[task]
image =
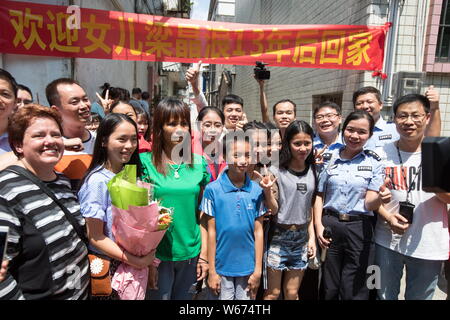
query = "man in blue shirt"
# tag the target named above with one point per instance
(327, 121)
(369, 99)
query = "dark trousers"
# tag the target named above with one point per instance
(309, 289)
(350, 253)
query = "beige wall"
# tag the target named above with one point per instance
(300, 84)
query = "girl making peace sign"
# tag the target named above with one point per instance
(292, 238)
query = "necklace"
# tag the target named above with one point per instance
(176, 175)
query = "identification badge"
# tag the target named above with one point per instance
(364, 168)
(302, 187)
(327, 156)
(385, 137)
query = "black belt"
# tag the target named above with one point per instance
(292, 227)
(345, 216)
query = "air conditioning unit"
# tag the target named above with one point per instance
(405, 82)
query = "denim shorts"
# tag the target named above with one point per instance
(288, 249)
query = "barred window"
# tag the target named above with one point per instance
(443, 42)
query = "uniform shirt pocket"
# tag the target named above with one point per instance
(362, 179)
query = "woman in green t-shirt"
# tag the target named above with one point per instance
(179, 178)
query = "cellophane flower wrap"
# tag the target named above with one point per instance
(139, 224)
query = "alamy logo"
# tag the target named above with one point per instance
(73, 22)
(374, 279)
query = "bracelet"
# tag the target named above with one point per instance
(201, 259)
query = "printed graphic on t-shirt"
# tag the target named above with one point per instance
(302, 187)
(397, 176)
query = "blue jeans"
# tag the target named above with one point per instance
(233, 288)
(421, 275)
(288, 249)
(176, 280)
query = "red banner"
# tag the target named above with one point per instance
(37, 29)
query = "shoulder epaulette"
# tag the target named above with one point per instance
(373, 154)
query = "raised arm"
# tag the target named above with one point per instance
(263, 101)
(433, 128)
(192, 76)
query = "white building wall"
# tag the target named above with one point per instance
(300, 84)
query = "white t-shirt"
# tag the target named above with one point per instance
(427, 237)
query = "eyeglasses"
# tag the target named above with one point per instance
(414, 117)
(328, 116)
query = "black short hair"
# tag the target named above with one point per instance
(208, 109)
(360, 114)
(412, 98)
(232, 98)
(25, 88)
(282, 101)
(5, 75)
(328, 104)
(145, 95)
(365, 90)
(51, 91)
(254, 125)
(136, 91)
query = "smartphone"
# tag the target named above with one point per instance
(407, 210)
(3, 241)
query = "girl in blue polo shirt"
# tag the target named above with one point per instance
(234, 206)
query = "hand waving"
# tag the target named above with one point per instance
(318, 155)
(267, 180)
(106, 103)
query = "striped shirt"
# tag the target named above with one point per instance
(47, 258)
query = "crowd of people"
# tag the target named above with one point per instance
(258, 207)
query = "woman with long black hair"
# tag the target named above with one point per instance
(116, 145)
(179, 177)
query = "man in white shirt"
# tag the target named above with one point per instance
(423, 243)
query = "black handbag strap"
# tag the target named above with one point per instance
(27, 174)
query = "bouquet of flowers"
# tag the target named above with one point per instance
(139, 224)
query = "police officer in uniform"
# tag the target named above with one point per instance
(327, 120)
(369, 99)
(348, 193)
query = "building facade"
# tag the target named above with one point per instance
(416, 56)
(37, 71)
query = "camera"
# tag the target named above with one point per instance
(407, 210)
(261, 73)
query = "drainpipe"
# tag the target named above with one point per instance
(395, 7)
(420, 32)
